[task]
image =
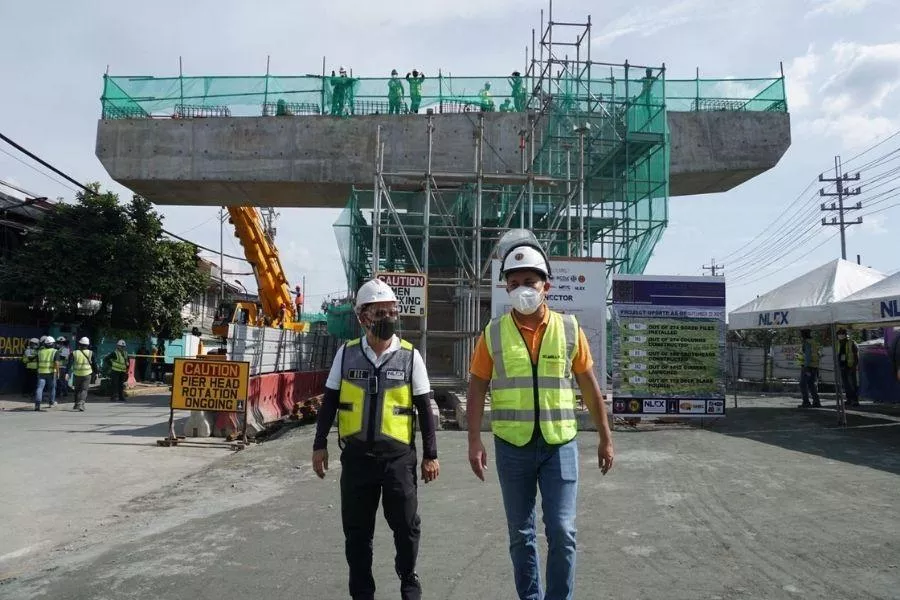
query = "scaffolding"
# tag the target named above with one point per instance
(593, 183)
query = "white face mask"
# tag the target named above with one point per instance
(526, 300)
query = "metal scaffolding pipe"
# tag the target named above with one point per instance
(426, 239)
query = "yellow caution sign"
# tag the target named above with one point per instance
(199, 384)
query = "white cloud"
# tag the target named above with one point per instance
(798, 76)
(837, 7)
(648, 21)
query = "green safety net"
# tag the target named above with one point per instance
(134, 97)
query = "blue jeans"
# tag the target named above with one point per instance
(521, 471)
(48, 381)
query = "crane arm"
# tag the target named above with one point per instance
(262, 255)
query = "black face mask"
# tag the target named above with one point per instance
(383, 329)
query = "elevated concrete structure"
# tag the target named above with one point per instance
(313, 161)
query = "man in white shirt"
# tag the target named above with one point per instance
(376, 386)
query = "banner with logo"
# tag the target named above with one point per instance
(578, 287)
(668, 346)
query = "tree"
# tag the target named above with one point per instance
(100, 250)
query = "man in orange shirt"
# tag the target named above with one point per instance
(533, 358)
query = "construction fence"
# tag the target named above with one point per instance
(138, 97)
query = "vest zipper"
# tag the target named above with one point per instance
(534, 379)
(373, 409)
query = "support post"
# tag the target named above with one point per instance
(426, 233)
(376, 204)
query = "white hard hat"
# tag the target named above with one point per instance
(84, 341)
(120, 343)
(60, 339)
(525, 257)
(48, 340)
(374, 291)
(34, 341)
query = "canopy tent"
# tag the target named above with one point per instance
(876, 304)
(804, 302)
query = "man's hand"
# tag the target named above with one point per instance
(320, 462)
(477, 458)
(606, 455)
(431, 468)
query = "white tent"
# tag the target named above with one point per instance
(804, 302)
(878, 303)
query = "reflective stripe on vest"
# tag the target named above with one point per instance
(81, 363)
(515, 380)
(30, 359)
(383, 395)
(46, 360)
(119, 362)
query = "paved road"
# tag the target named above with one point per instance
(772, 503)
(67, 475)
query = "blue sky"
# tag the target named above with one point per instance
(842, 60)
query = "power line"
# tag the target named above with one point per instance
(840, 178)
(88, 190)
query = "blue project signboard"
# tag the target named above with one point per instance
(668, 338)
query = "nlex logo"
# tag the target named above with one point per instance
(776, 318)
(890, 308)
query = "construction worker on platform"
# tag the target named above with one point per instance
(118, 371)
(415, 80)
(341, 92)
(506, 106)
(848, 361)
(808, 359)
(485, 98)
(395, 94)
(29, 361)
(62, 366)
(82, 365)
(518, 91)
(376, 386)
(46, 372)
(533, 358)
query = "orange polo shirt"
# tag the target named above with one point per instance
(483, 365)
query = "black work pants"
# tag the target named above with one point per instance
(851, 386)
(117, 380)
(809, 385)
(363, 480)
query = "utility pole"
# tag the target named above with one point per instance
(840, 193)
(222, 253)
(713, 267)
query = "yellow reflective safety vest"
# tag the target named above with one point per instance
(81, 363)
(848, 350)
(376, 403)
(119, 361)
(815, 352)
(46, 361)
(30, 359)
(520, 389)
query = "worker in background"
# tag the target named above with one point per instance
(485, 98)
(298, 304)
(62, 366)
(533, 358)
(415, 80)
(83, 366)
(376, 386)
(808, 358)
(341, 92)
(506, 106)
(395, 94)
(848, 361)
(195, 331)
(46, 372)
(29, 361)
(118, 365)
(518, 91)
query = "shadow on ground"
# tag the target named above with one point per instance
(868, 440)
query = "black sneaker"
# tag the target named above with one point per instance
(817, 405)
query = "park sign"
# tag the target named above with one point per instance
(668, 346)
(411, 290)
(214, 385)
